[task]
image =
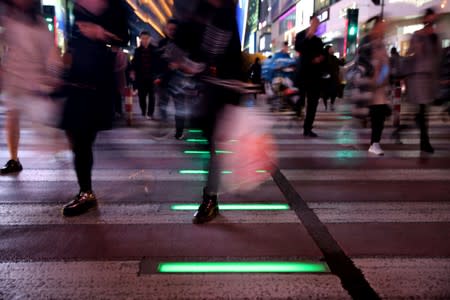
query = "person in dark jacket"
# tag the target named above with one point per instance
(89, 107)
(254, 73)
(311, 50)
(331, 79)
(143, 70)
(211, 38)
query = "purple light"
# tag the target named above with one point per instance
(321, 29)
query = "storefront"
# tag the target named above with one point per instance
(57, 16)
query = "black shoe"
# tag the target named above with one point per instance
(82, 203)
(207, 211)
(426, 147)
(179, 136)
(310, 134)
(12, 166)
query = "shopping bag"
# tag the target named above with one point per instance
(246, 148)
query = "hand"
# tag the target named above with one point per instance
(318, 59)
(96, 32)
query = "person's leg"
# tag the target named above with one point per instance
(378, 116)
(13, 137)
(163, 103)
(142, 94)
(312, 95)
(422, 122)
(151, 101)
(179, 116)
(82, 144)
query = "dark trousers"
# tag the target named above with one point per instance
(377, 118)
(82, 143)
(180, 113)
(145, 90)
(422, 123)
(312, 98)
(118, 106)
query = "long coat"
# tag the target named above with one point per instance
(91, 79)
(422, 67)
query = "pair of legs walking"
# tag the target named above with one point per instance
(146, 91)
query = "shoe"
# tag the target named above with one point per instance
(179, 136)
(82, 202)
(426, 147)
(208, 210)
(310, 134)
(376, 149)
(12, 166)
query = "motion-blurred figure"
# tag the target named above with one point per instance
(311, 51)
(31, 69)
(331, 80)
(165, 73)
(211, 41)
(422, 73)
(373, 56)
(143, 68)
(91, 86)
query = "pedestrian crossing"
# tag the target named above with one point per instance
(390, 215)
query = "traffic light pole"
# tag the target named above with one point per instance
(382, 9)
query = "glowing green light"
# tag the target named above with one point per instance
(49, 19)
(195, 131)
(250, 206)
(206, 152)
(352, 30)
(261, 171)
(201, 141)
(193, 172)
(242, 267)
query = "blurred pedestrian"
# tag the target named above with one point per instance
(120, 69)
(423, 73)
(30, 72)
(210, 38)
(254, 73)
(311, 50)
(331, 79)
(166, 71)
(143, 66)
(373, 56)
(91, 87)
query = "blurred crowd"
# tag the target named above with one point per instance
(198, 66)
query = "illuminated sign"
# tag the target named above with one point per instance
(324, 16)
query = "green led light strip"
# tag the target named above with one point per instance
(242, 267)
(206, 152)
(250, 206)
(206, 172)
(195, 131)
(197, 140)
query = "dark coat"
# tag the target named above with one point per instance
(145, 76)
(90, 79)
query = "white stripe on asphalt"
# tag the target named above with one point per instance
(301, 141)
(130, 154)
(350, 212)
(154, 175)
(407, 278)
(120, 280)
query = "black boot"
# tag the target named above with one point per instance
(425, 146)
(12, 166)
(208, 210)
(80, 204)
